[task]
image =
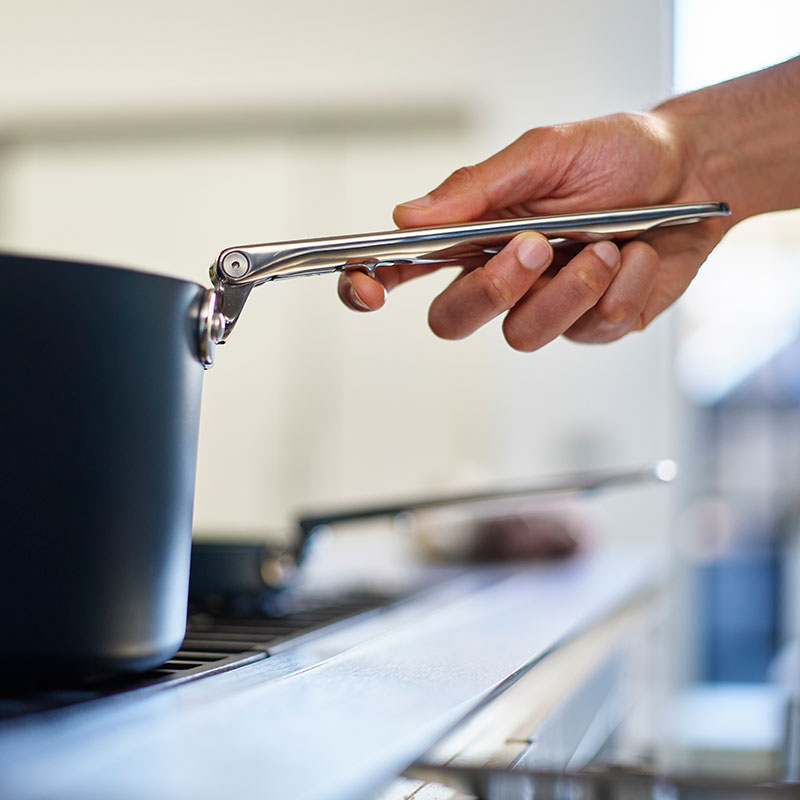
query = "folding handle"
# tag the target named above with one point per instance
(238, 269)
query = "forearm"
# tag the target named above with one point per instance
(742, 138)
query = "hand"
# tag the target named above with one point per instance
(597, 294)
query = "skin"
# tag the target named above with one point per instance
(737, 142)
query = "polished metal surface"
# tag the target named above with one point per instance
(210, 327)
(235, 264)
(238, 269)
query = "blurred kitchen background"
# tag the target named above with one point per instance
(154, 134)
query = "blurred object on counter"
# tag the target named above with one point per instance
(542, 519)
(544, 529)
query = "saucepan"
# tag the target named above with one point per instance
(100, 413)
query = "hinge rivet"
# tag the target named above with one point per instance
(235, 264)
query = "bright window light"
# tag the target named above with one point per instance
(720, 39)
(744, 305)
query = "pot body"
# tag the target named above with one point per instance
(99, 414)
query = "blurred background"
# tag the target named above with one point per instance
(154, 134)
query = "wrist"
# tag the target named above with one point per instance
(739, 139)
(710, 162)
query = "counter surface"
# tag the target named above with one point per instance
(335, 716)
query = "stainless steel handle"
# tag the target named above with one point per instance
(238, 269)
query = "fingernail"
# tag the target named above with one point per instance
(533, 252)
(608, 252)
(355, 299)
(421, 202)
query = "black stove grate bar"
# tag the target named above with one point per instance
(180, 669)
(214, 643)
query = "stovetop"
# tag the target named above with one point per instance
(217, 639)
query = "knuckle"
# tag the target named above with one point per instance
(590, 281)
(535, 138)
(643, 249)
(462, 177)
(532, 137)
(578, 336)
(617, 313)
(598, 336)
(520, 339)
(611, 334)
(499, 292)
(642, 322)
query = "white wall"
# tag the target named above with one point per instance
(156, 133)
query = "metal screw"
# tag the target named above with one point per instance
(216, 327)
(235, 265)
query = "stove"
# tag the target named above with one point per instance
(217, 639)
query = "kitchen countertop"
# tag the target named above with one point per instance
(336, 715)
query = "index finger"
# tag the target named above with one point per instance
(361, 292)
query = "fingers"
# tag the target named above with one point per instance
(655, 272)
(479, 296)
(549, 311)
(681, 251)
(474, 298)
(620, 308)
(598, 295)
(359, 291)
(650, 277)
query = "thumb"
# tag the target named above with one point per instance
(519, 172)
(463, 197)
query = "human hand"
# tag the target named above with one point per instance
(597, 293)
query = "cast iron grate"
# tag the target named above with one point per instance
(226, 631)
(216, 641)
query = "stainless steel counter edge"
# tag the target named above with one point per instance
(324, 720)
